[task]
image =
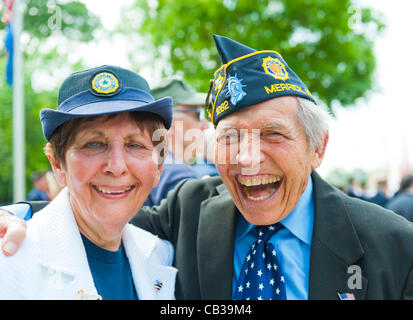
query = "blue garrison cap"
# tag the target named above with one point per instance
(247, 77)
(100, 91)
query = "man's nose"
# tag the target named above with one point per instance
(249, 152)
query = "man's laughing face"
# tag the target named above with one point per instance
(264, 159)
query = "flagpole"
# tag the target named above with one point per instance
(19, 185)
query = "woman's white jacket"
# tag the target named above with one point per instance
(52, 262)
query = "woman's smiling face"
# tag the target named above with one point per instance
(109, 170)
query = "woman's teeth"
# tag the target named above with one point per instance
(113, 191)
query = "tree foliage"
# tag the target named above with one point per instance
(329, 44)
(50, 29)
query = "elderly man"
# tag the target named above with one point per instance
(188, 133)
(272, 228)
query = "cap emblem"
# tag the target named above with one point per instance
(105, 83)
(235, 90)
(275, 68)
(219, 81)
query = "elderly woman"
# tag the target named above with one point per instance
(101, 149)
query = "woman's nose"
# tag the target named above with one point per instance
(116, 162)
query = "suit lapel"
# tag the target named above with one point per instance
(153, 280)
(334, 246)
(215, 246)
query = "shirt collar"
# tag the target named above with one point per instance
(299, 221)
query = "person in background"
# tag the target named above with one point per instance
(190, 131)
(357, 191)
(380, 197)
(100, 147)
(40, 187)
(174, 170)
(402, 202)
(173, 173)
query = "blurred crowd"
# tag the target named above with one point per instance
(400, 202)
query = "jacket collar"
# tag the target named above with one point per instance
(334, 247)
(61, 250)
(146, 272)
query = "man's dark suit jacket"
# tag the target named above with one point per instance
(349, 234)
(199, 218)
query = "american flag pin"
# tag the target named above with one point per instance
(346, 296)
(158, 285)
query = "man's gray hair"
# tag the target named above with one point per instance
(314, 120)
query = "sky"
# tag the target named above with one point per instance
(375, 135)
(378, 134)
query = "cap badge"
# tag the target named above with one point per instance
(219, 81)
(105, 83)
(275, 68)
(235, 90)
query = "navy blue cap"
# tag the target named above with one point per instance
(247, 77)
(100, 91)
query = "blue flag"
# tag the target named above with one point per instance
(8, 44)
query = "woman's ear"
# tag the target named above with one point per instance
(57, 167)
(158, 172)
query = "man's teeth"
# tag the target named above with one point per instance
(257, 198)
(249, 182)
(114, 191)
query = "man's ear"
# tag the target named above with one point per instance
(319, 153)
(58, 171)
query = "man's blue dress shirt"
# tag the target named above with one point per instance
(292, 244)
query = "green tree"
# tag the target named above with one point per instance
(328, 43)
(51, 31)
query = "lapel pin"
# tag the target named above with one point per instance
(81, 295)
(346, 296)
(158, 285)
